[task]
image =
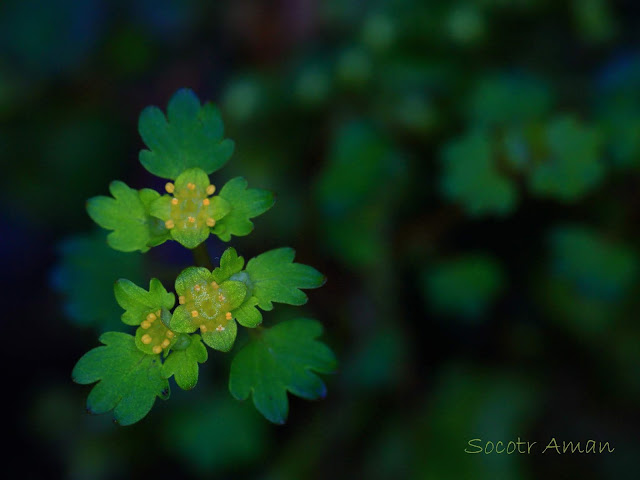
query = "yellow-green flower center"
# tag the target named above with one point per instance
(190, 206)
(208, 306)
(156, 335)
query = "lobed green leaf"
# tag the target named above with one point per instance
(245, 204)
(128, 215)
(128, 380)
(190, 136)
(283, 358)
(275, 278)
(138, 302)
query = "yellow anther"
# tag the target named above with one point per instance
(169, 187)
(215, 285)
(206, 202)
(166, 343)
(203, 328)
(219, 328)
(170, 334)
(197, 288)
(191, 219)
(210, 222)
(211, 189)
(221, 297)
(194, 313)
(181, 300)
(157, 349)
(228, 316)
(191, 186)
(174, 201)
(145, 324)
(169, 224)
(151, 317)
(146, 339)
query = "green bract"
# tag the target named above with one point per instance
(133, 370)
(128, 380)
(269, 277)
(128, 215)
(190, 211)
(190, 136)
(245, 204)
(183, 364)
(282, 359)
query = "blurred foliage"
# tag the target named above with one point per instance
(464, 286)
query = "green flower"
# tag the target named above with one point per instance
(149, 310)
(207, 305)
(190, 211)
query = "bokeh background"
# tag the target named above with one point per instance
(465, 172)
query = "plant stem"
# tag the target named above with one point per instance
(201, 257)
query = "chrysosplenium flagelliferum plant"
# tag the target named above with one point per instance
(171, 340)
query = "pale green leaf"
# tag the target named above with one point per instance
(127, 214)
(245, 204)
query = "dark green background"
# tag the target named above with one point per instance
(463, 301)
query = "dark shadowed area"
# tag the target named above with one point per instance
(465, 173)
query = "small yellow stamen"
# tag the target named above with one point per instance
(194, 313)
(174, 201)
(211, 189)
(151, 317)
(181, 300)
(145, 324)
(191, 219)
(215, 285)
(157, 349)
(170, 334)
(221, 298)
(169, 224)
(206, 202)
(169, 187)
(228, 316)
(166, 343)
(197, 288)
(203, 328)
(210, 222)
(220, 328)
(191, 186)
(146, 339)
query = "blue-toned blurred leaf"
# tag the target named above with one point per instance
(594, 265)
(50, 37)
(85, 275)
